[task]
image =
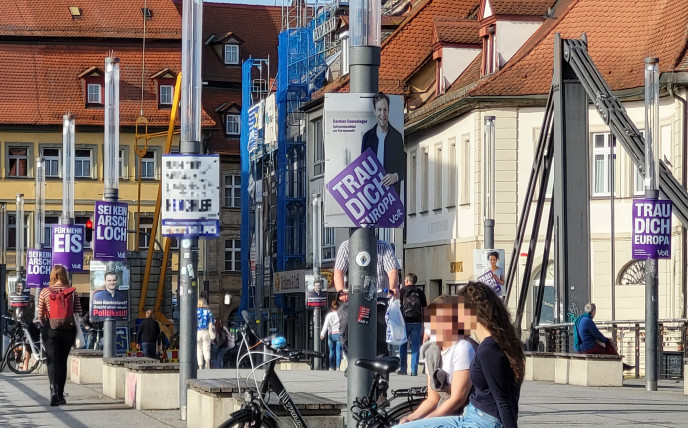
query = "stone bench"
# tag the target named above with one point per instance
(114, 374)
(152, 386)
(209, 402)
(293, 365)
(540, 366)
(589, 369)
(685, 372)
(85, 366)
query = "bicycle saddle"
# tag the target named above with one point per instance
(381, 366)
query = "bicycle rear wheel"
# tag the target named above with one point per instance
(15, 358)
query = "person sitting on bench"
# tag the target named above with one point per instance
(587, 339)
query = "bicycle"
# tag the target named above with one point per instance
(256, 413)
(21, 342)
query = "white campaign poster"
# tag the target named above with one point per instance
(488, 267)
(352, 124)
(270, 138)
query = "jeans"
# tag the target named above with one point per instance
(148, 349)
(472, 418)
(413, 333)
(335, 346)
(218, 361)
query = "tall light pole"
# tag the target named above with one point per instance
(190, 143)
(68, 169)
(489, 165)
(651, 192)
(111, 172)
(3, 275)
(364, 65)
(317, 262)
(19, 237)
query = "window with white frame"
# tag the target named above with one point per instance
(232, 255)
(437, 184)
(602, 163)
(411, 204)
(451, 179)
(51, 161)
(233, 191)
(231, 54)
(94, 93)
(145, 229)
(18, 161)
(166, 93)
(465, 197)
(424, 161)
(48, 230)
(123, 164)
(318, 147)
(82, 163)
(329, 250)
(232, 124)
(148, 165)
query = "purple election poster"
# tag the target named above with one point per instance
(68, 246)
(38, 266)
(358, 189)
(651, 229)
(110, 231)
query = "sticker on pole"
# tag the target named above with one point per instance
(191, 195)
(363, 259)
(651, 229)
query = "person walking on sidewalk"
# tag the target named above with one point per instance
(413, 301)
(331, 328)
(205, 334)
(148, 334)
(57, 305)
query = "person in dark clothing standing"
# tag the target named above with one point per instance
(497, 370)
(412, 301)
(59, 329)
(148, 334)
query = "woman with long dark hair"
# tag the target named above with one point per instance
(497, 370)
(59, 329)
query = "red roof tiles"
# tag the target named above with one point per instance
(39, 82)
(520, 7)
(99, 18)
(458, 31)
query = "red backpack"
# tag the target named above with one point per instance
(61, 309)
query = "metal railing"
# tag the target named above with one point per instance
(629, 338)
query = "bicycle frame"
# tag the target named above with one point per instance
(272, 382)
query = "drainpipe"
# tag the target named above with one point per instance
(684, 180)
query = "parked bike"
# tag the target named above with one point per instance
(24, 354)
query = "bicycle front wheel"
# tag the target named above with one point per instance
(244, 418)
(16, 354)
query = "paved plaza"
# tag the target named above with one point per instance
(24, 403)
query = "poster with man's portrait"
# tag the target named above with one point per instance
(109, 291)
(316, 293)
(353, 125)
(19, 295)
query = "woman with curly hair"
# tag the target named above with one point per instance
(497, 370)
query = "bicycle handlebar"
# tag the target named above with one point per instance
(289, 353)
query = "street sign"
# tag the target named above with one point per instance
(191, 195)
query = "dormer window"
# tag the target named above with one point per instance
(489, 63)
(231, 54)
(164, 87)
(92, 83)
(94, 93)
(231, 115)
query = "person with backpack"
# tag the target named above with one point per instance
(413, 301)
(57, 305)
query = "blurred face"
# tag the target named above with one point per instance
(19, 288)
(382, 113)
(317, 287)
(111, 282)
(443, 324)
(468, 320)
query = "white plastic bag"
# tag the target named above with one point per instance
(396, 328)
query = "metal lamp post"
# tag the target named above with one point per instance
(68, 143)
(489, 165)
(364, 65)
(317, 261)
(651, 192)
(19, 237)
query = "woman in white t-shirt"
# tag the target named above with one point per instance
(448, 388)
